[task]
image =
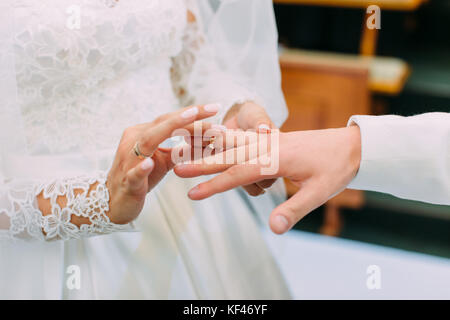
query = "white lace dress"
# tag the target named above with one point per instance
(124, 63)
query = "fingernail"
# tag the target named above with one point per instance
(147, 164)
(281, 224)
(213, 108)
(193, 191)
(190, 113)
(219, 127)
(264, 128)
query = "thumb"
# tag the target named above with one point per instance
(137, 176)
(287, 214)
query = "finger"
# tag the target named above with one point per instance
(264, 124)
(200, 131)
(257, 119)
(286, 215)
(254, 190)
(239, 175)
(234, 156)
(209, 107)
(207, 134)
(223, 140)
(264, 127)
(192, 170)
(219, 162)
(185, 154)
(137, 176)
(199, 128)
(156, 134)
(163, 165)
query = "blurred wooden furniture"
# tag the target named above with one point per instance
(369, 37)
(324, 93)
(387, 75)
(383, 4)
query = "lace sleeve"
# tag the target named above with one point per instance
(83, 198)
(197, 76)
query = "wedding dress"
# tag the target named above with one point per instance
(75, 74)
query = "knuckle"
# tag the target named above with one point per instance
(146, 144)
(160, 119)
(129, 176)
(168, 117)
(128, 132)
(293, 215)
(124, 182)
(204, 170)
(122, 166)
(233, 172)
(174, 121)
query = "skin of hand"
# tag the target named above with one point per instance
(251, 116)
(321, 163)
(130, 178)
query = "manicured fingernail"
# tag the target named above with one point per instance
(193, 191)
(219, 127)
(190, 113)
(213, 108)
(264, 128)
(281, 224)
(147, 164)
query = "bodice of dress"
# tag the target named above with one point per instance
(87, 69)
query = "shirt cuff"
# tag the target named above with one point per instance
(376, 137)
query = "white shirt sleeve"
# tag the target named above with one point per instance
(408, 157)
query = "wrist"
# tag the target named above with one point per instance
(354, 143)
(46, 208)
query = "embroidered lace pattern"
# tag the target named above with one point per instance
(85, 71)
(81, 200)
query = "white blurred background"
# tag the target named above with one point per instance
(321, 267)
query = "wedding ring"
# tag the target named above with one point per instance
(138, 152)
(211, 143)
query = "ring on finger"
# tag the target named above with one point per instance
(211, 143)
(138, 153)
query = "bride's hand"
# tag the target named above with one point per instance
(130, 178)
(322, 163)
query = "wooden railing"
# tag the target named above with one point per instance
(383, 4)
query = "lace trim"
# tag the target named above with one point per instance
(27, 222)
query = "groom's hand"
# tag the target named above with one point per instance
(321, 163)
(251, 116)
